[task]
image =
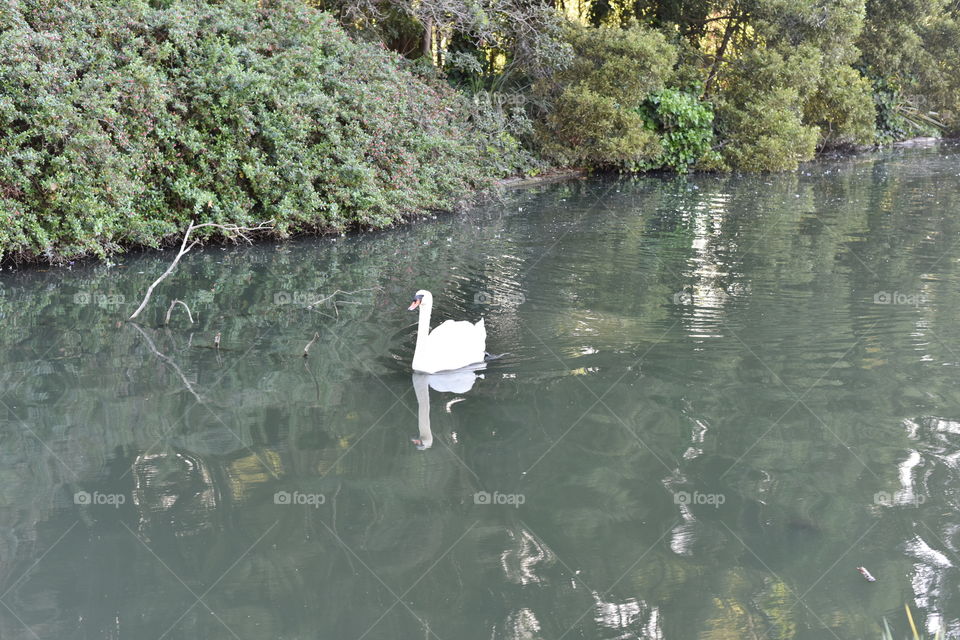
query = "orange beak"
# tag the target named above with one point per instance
(414, 305)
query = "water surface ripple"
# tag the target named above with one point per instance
(719, 395)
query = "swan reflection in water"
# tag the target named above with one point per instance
(457, 381)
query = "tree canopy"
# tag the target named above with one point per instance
(784, 77)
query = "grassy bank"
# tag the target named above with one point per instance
(120, 124)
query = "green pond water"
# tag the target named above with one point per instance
(720, 396)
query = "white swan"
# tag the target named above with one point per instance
(451, 345)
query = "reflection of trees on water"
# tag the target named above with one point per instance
(754, 254)
(179, 489)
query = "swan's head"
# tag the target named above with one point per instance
(421, 298)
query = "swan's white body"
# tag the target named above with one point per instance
(452, 345)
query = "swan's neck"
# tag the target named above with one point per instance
(423, 330)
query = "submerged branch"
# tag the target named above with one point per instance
(306, 349)
(230, 229)
(167, 359)
(339, 292)
(175, 302)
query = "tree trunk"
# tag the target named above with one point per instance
(427, 44)
(732, 26)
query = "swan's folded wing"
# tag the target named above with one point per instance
(460, 341)
(454, 330)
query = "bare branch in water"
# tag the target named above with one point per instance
(169, 361)
(339, 292)
(306, 349)
(230, 229)
(166, 320)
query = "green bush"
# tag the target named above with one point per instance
(899, 117)
(760, 111)
(842, 108)
(685, 126)
(593, 119)
(910, 49)
(766, 134)
(890, 125)
(121, 122)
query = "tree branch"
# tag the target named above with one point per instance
(169, 361)
(184, 249)
(306, 349)
(166, 320)
(732, 26)
(338, 291)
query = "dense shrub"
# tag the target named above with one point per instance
(760, 111)
(842, 108)
(120, 122)
(594, 119)
(766, 134)
(898, 116)
(890, 125)
(910, 50)
(685, 126)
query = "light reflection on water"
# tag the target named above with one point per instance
(718, 397)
